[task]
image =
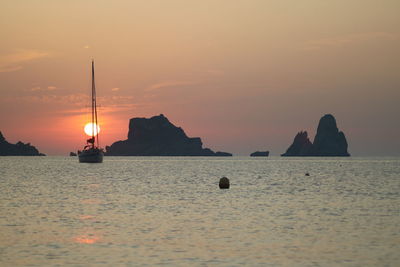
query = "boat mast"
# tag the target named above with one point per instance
(94, 109)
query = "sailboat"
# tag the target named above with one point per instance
(92, 153)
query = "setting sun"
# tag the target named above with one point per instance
(91, 128)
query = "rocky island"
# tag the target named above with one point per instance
(157, 136)
(328, 141)
(18, 149)
(260, 154)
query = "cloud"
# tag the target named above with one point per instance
(86, 47)
(166, 84)
(115, 89)
(347, 40)
(38, 88)
(106, 105)
(72, 99)
(9, 68)
(120, 99)
(72, 103)
(14, 61)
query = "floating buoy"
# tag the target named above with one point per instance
(224, 183)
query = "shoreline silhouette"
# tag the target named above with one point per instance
(157, 136)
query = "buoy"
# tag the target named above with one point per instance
(224, 183)
(307, 174)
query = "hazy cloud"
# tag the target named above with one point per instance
(73, 102)
(9, 68)
(72, 99)
(346, 40)
(119, 98)
(14, 61)
(166, 84)
(115, 89)
(38, 88)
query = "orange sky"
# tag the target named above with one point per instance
(242, 75)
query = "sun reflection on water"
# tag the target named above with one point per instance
(87, 239)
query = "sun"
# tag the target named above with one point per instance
(91, 128)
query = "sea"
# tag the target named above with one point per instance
(169, 211)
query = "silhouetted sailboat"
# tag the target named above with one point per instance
(92, 153)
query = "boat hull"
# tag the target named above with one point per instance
(91, 156)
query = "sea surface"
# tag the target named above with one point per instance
(148, 211)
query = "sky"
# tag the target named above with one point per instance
(243, 75)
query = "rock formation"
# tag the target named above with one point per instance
(260, 154)
(222, 154)
(158, 137)
(301, 146)
(18, 149)
(328, 141)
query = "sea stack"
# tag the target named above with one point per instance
(328, 142)
(18, 149)
(157, 136)
(301, 145)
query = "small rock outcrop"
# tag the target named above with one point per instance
(157, 136)
(224, 183)
(18, 149)
(328, 141)
(260, 154)
(222, 154)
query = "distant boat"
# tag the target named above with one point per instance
(92, 153)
